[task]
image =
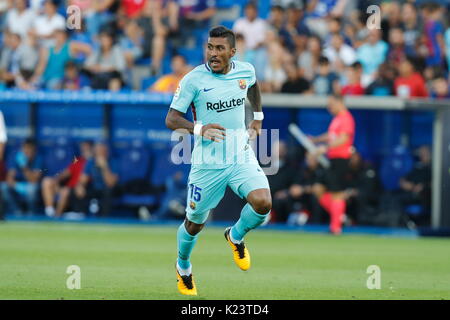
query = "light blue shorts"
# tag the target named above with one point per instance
(206, 187)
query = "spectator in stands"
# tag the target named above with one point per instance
(353, 85)
(97, 184)
(63, 183)
(131, 42)
(169, 82)
(364, 190)
(106, 64)
(416, 185)
(277, 18)
(294, 33)
(319, 10)
(397, 50)
(295, 82)
(280, 182)
(440, 88)
(335, 25)
(308, 60)
(133, 8)
(411, 28)
(17, 61)
(241, 50)
(433, 34)
(72, 79)
(297, 203)
(4, 6)
(409, 83)
(371, 54)
(53, 60)
(193, 15)
(339, 53)
(383, 85)
(100, 16)
(392, 18)
(47, 23)
(277, 58)
(156, 29)
(19, 19)
(325, 82)
(254, 30)
(22, 180)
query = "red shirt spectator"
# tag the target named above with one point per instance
(352, 90)
(412, 86)
(133, 8)
(409, 83)
(76, 169)
(343, 122)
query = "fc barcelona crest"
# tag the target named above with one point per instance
(242, 84)
(192, 205)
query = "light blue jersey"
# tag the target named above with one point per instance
(218, 98)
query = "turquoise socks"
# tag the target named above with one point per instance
(249, 220)
(186, 243)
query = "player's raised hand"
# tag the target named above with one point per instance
(254, 129)
(214, 132)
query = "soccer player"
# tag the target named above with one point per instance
(338, 146)
(216, 92)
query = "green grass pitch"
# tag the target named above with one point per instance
(137, 262)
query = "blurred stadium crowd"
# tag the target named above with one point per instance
(296, 46)
(308, 47)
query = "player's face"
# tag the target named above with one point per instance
(218, 54)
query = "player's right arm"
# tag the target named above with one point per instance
(175, 119)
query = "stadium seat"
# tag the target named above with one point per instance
(395, 166)
(57, 156)
(148, 82)
(164, 168)
(137, 158)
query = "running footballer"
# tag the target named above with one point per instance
(216, 93)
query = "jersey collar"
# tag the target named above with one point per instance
(233, 66)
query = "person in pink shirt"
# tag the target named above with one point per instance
(338, 146)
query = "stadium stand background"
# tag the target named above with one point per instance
(131, 119)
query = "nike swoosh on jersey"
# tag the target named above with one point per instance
(206, 90)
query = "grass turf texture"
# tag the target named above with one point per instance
(137, 262)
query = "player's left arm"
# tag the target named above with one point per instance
(254, 96)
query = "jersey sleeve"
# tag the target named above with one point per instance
(184, 94)
(252, 75)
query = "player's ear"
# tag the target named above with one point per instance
(233, 52)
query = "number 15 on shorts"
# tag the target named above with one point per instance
(195, 193)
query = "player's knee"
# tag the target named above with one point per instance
(262, 205)
(193, 228)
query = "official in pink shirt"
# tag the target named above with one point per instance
(338, 145)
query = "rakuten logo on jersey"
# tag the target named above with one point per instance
(222, 106)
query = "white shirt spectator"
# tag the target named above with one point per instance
(345, 53)
(45, 26)
(20, 23)
(37, 5)
(254, 32)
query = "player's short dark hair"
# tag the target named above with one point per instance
(30, 142)
(223, 32)
(323, 61)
